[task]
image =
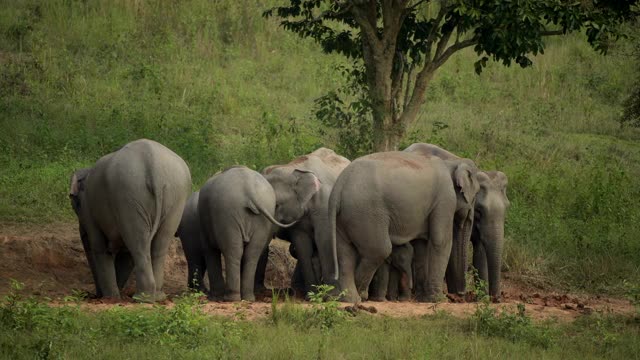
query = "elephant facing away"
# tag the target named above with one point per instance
(298, 201)
(128, 207)
(236, 210)
(487, 235)
(190, 235)
(394, 278)
(391, 198)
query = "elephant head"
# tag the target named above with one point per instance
(402, 260)
(294, 190)
(488, 230)
(76, 189)
(464, 174)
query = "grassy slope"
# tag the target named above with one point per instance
(220, 85)
(35, 330)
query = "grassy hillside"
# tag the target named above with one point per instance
(220, 85)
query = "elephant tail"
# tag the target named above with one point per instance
(159, 195)
(334, 204)
(257, 208)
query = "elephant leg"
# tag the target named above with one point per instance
(373, 251)
(394, 282)
(347, 257)
(214, 270)
(250, 257)
(304, 251)
(379, 283)
(159, 250)
(84, 237)
(103, 260)
(438, 253)
(137, 238)
(297, 279)
(124, 267)
(232, 247)
(420, 265)
(261, 270)
(196, 269)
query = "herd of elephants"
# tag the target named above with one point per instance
(390, 225)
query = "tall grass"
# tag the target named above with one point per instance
(221, 85)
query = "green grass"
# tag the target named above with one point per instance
(221, 85)
(33, 329)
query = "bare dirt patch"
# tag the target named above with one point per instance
(50, 262)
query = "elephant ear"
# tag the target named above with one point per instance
(466, 181)
(307, 185)
(77, 182)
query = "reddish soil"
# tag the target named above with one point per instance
(50, 261)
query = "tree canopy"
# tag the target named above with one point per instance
(401, 43)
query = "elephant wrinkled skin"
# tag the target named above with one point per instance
(129, 206)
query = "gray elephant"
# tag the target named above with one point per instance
(488, 228)
(190, 235)
(392, 198)
(236, 210)
(309, 236)
(129, 206)
(394, 278)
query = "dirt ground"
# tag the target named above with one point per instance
(50, 261)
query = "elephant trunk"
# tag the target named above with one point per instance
(458, 259)
(493, 240)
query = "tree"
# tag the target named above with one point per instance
(402, 43)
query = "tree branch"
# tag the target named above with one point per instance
(369, 29)
(442, 44)
(433, 32)
(451, 50)
(345, 8)
(414, 6)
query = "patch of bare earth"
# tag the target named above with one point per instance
(50, 262)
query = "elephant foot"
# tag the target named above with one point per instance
(404, 298)
(430, 297)
(249, 297)
(143, 297)
(377, 298)
(232, 297)
(160, 296)
(215, 298)
(351, 298)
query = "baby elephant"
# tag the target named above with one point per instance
(236, 210)
(394, 278)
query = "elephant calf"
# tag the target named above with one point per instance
(394, 278)
(129, 206)
(236, 210)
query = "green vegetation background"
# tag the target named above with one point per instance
(220, 85)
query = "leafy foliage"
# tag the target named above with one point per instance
(401, 44)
